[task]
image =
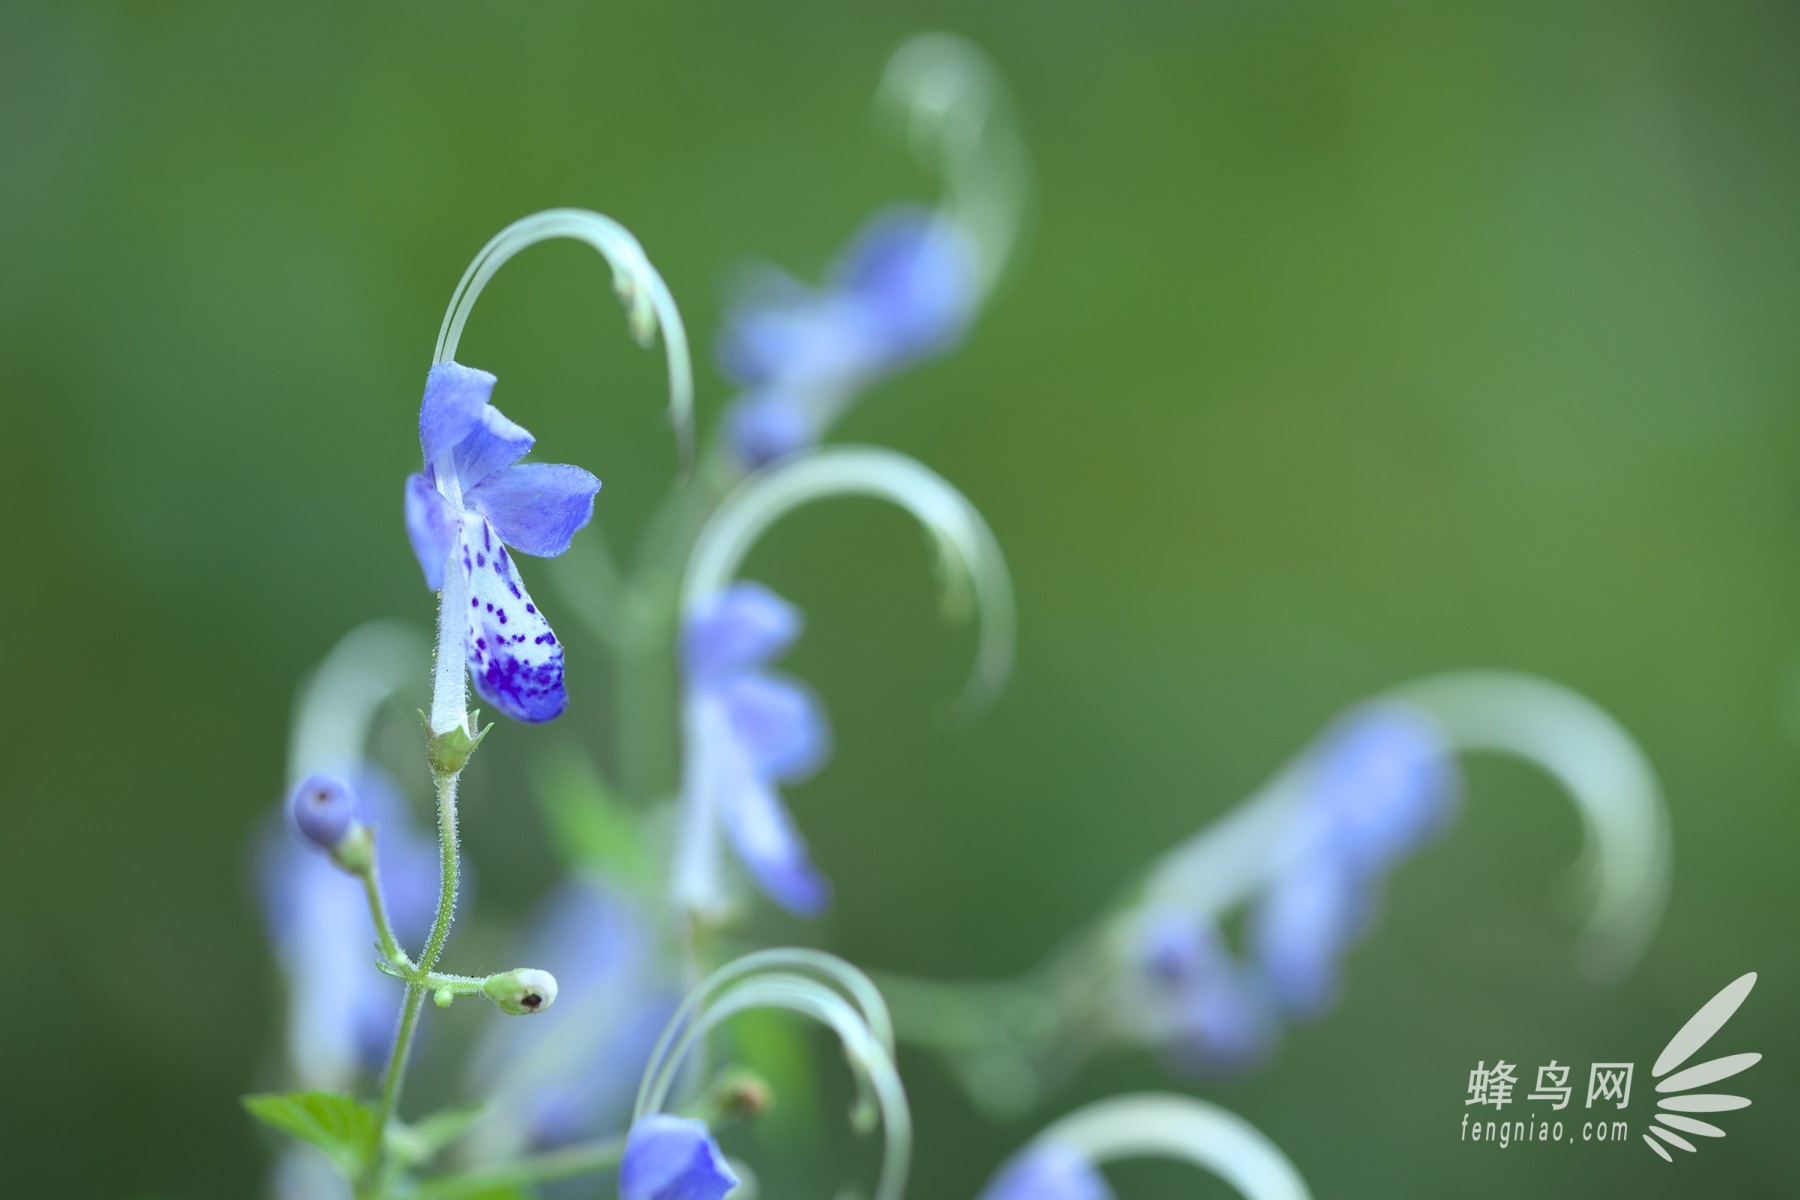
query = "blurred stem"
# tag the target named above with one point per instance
(567, 1163)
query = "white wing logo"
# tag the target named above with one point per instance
(1683, 1046)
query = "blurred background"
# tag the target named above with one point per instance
(1357, 341)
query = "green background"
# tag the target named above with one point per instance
(1357, 341)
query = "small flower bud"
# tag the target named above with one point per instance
(522, 992)
(324, 810)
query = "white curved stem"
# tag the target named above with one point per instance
(966, 545)
(1155, 1125)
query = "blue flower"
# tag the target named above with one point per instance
(572, 1072)
(1382, 783)
(904, 290)
(1047, 1171)
(473, 500)
(673, 1158)
(342, 1010)
(747, 731)
(1217, 1018)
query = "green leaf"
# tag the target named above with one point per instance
(425, 1138)
(341, 1126)
(591, 825)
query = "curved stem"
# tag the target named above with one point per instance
(384, 929)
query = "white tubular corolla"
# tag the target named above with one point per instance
(946, 97)
(1155, 1125)
(967, 551)
(1626, 853)
(339, 700)
(791, 979)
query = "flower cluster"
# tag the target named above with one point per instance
(360, 903)
(903, 291)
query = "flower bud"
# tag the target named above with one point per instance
(522, 992)
(324, 810)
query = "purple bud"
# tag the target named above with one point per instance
(673, 1158)
(1048, 1172)
(324, 810)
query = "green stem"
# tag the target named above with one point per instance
(369, 1185)
(384, 929)
(448, 872)
(541, 1168)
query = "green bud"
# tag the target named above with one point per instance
(447, 752)
(522, 992)
(355, 851)
(444, 997)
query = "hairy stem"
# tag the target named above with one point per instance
(384, 929)
(369, 1185)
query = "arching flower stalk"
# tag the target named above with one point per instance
(1305, 858)
(744, 730)
(471, 499)
(668, 1157)
(1062, 1162)
(910, 282)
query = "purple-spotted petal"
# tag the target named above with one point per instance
(779, 724)
(1048, 1172)
(673, 1158)
(454, 398)
(494, 442)
(515, 662)
(743, 627)
(431, 527)
(536, 507)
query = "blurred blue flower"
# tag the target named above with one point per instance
(904, 290)
(1216, 1017)
(747, 731)
(1047, 1171)
(473, 500)
(1381, 784)
(673, 1158)
(341, 1010)
(572, 1072)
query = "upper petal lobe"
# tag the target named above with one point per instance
(454, 398)
(536, 507)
